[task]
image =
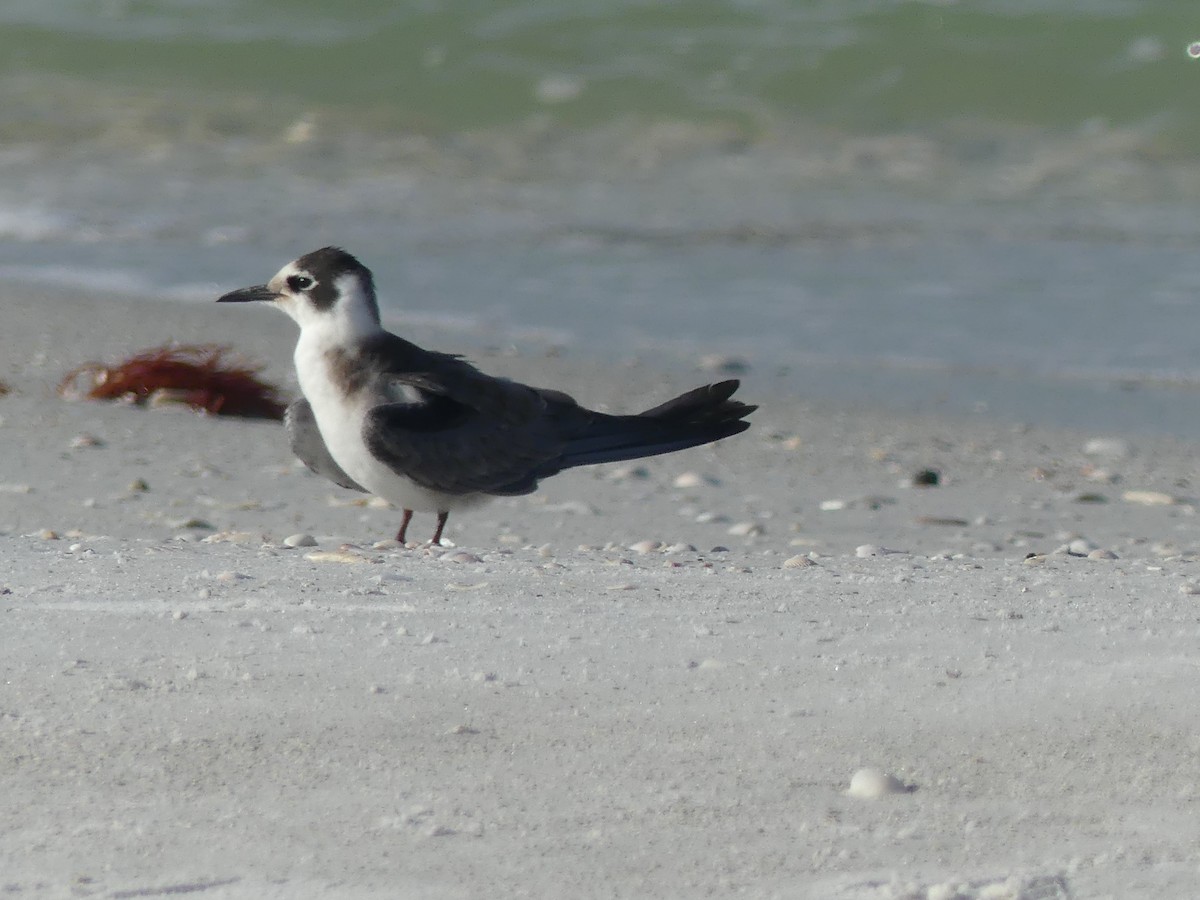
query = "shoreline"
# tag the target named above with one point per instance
(1138, 405)
(650, 680)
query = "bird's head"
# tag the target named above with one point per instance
(325, 289)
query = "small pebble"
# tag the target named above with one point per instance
(462, 556)
(693, 480)
(338, 556)
(926, 478)
(299, 540)
(138, 486)
(199, 524)
(645, 547)
(871, 784)
(1102, 554)
(798, 562)
(832, 505)
(746, 529)
(679, 548)
(81, 441)
(1149, 498)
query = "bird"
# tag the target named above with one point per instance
(429, 431)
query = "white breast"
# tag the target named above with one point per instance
(340, 420)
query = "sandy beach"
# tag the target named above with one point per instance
(654, 680)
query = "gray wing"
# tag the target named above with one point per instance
(309, 446)
(469, 433)
(460, 431)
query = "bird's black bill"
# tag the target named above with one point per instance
(249, 295)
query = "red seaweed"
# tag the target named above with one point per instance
(199, 375)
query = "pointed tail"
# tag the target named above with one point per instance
(700, 416)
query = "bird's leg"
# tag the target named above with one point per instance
(404, 526)
(437, 535)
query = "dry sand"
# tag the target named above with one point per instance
(560, 707)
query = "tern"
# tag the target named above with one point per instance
(427, 430)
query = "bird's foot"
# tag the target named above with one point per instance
(441, 524)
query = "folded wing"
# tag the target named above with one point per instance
(309, 446)
(465, 432)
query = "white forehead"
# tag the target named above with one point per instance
(285, 273)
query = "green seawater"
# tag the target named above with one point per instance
(967, 73)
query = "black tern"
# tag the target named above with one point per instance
(427, 430)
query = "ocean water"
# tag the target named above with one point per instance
(986, 206)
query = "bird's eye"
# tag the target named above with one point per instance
(299, 282)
